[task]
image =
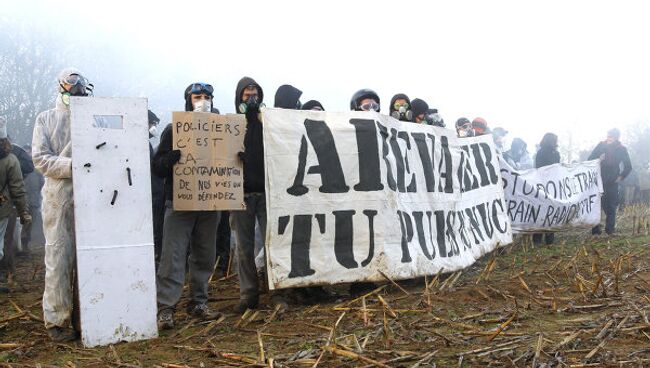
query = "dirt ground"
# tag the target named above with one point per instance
(583, 302)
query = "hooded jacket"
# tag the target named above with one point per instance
(615, 155)
(398, 96)
(418, 107)
(547, 153)
(253, 155)
(11, 185)
(287, 97)
(311, 104)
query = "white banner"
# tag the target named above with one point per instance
(356, 194)
(554, 197)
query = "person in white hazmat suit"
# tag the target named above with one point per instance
(52, 156)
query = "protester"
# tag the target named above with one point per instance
(33, 185)
(12, 243)
(612, 155)
(434, 118)
(480, 127)
(419, 108)
(546, 155)
(313, 105)
(498, 135)
(464, 128)
(157, 192)
(12, 192)
(288, 97)
(51, 154)
(365, 100)
(400, 107)
(517, 156)
(183, 230)
(249, 97)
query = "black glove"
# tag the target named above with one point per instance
(242, 156)
(173, 157)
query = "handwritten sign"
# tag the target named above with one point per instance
(209, 175)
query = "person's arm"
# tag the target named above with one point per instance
(596, 152)
(16, 186)
(627, 165)
(25, 160)
(165, 158)
(45, 160)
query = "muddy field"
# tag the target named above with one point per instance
(583, 302)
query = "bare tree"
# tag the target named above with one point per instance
(28, 65)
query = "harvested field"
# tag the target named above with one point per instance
(583, 302)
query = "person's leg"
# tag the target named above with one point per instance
(202, 256)
(26, 234)
(9, 252)
(158, 214)
(243, 223)
(171, 271)
(3, 278)
(611, 194)
(550, 238)
(223, 243)
(58, 226)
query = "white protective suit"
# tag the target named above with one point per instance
(52, 154)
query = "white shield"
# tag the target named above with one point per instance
(113, 220)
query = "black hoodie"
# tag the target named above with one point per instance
(253, 157)
(287, 97)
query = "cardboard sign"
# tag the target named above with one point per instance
(112, 215)
(209, 175)
(357, 195)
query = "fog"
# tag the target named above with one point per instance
(574, 68)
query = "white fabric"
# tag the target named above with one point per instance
(428, 200)
(554, 197)
(52, 157)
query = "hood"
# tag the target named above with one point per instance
(518, 145)
(311, 104)
(418, 107)
(243, 83)
(287, 97)
(398, 96)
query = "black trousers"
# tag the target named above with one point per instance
(609, 203)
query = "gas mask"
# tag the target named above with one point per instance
(465, 131)
(403, 113)
(202, 106)
(434, 119)
(80, 89)
(153, 131)
(251, 105)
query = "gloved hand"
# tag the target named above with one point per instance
(242, 156)
(173, 157)
(25, 218)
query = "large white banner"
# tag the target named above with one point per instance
(554, 197)
(356, 194)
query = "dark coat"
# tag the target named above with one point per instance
(253, 155)
(610, 166)
(546, 156)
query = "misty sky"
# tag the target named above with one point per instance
(579, 66)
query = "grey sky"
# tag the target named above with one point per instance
(531, 67)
